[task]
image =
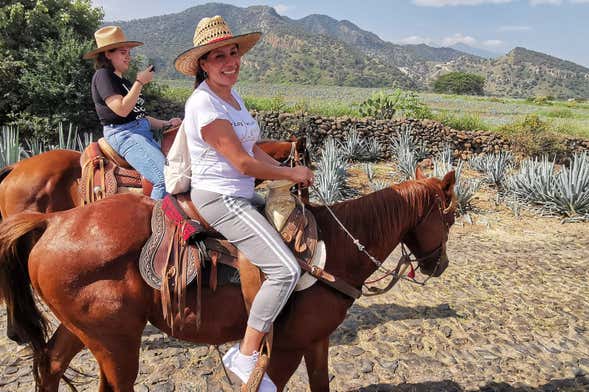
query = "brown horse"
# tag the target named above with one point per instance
(84, 267)
(48, 182)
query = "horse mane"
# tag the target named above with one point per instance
(393, 208)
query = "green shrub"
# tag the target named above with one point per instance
(384, 106)
(559, 113)
(467, 122)
(533, 136)
(380, 105)
(460, 83)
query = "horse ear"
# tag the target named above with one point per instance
(419, 174)
(448, 183)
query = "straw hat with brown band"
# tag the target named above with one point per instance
(212, 33)
(108, 38)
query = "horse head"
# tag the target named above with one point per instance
(427, 239)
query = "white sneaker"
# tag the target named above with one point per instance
(243, 365)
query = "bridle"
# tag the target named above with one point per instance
(294, 159)
(405, 262)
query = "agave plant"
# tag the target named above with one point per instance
(10, 148)
(572, 184)
(331, 174)
(443, 163)
(34, 147)
(465, 188)
(353, 148)
(68, 142)
(373, 150)
(404, 139)
(82, 144)
(565, 193)
(494, 166)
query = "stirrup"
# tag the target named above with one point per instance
(255, 379)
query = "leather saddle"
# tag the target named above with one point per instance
(105, 172)
(183, 248)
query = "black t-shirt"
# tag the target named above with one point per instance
(105, 83)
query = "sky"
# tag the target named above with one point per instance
(556, 27)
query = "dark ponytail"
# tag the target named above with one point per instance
(200, 74)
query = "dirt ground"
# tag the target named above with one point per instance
(511, 313)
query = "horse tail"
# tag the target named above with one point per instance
(18, 234)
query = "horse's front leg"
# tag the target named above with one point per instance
(282, 365)
(316, 359)
(61, 349)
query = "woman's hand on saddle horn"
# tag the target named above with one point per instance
(302, 175)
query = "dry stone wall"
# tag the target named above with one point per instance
(435, 135)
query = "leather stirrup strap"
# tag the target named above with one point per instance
(330, 280)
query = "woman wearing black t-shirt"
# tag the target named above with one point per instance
(120, 107)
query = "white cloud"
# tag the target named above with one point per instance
(542, 2)
(493, 42)
(459, 38)
(283, 9)
(415, 40)
(444, 3)
(514, 28)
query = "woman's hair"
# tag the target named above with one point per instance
(101, 61)
(200, 74)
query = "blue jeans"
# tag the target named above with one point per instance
(134, 141)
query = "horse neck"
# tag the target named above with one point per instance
(378, 220)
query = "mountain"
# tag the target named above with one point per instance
(318, 49)
(486, 54)
(524, 73)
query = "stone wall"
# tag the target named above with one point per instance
(434, 134)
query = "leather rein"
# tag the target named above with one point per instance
(405, 261)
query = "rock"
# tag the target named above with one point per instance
(447, 331)
(168, 386)
(366, 366)
(356, 351)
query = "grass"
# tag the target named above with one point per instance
(457, 111)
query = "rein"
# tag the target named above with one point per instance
(405, 260)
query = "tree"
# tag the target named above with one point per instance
(41, 44)
(460, 83)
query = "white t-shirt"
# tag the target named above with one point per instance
(210, 170)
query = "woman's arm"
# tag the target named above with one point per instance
(122, 106)
(156, 123)
(261, 155)
(220, 135)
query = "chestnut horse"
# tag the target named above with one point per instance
(83, 265)
(48, 182)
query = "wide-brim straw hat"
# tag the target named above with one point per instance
(110, 37)
(212, 33)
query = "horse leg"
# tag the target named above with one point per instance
(282, 365)
(60, 350)
(118, 358)
(316, 358)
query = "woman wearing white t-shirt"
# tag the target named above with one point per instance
(221, 136)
